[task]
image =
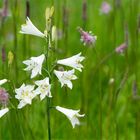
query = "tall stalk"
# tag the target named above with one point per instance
(65, 25)
(15, 36)
(48, 99)
(84, 13)
(48, 114)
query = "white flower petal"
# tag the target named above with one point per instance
(74, 121)
(29, 28)
(3, 111)
(3, 81)
(65, 77)
(25, 94)
(72, 115)
(73, 62)
(43, 88)
(21, 104)
(34, 65)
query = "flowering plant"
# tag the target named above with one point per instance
(39, 64)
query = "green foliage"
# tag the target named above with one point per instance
(112, 110)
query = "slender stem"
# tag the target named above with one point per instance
(48, 114)
(15, 37)
(48, 99)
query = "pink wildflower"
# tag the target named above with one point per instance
(121, 48)
(105, 8)
(87, 37)
(4, 97)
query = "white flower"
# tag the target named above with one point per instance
(65, 77)
(43, 88)
(29, 28)
(72, 115)
(3, 111)
(3, 81)
(34, 65)
(73, 61)
(25, 95)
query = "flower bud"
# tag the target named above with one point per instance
(10, 58)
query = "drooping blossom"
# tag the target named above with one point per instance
(4, 97)
(120, 49)
(87, 38)
(24, 94)
(44, 88)
(34, 65)
(65, 77)
(72, 115)
(30, 29)
(3, 111)
(74, 62)
(105, 8)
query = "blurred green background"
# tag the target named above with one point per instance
(112, 110)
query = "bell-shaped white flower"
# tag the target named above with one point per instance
(43, 88)
(72, 115)
(74, 61)
(3, 111)
(25, 95)
(65, 77)
(3, 81)
(34, 65)
(29, 28)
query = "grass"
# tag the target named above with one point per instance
(112, 110)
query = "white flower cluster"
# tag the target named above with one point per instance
(26, 93)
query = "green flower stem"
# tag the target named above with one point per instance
(48, 99)
(48, 114)
(15, 37)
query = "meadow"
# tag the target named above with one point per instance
(107, 89)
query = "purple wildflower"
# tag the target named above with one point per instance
(105, 7)
(87, 37)
(121, 48)
(4, 97)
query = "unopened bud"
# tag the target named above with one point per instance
(54, 33)
(10, 58)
